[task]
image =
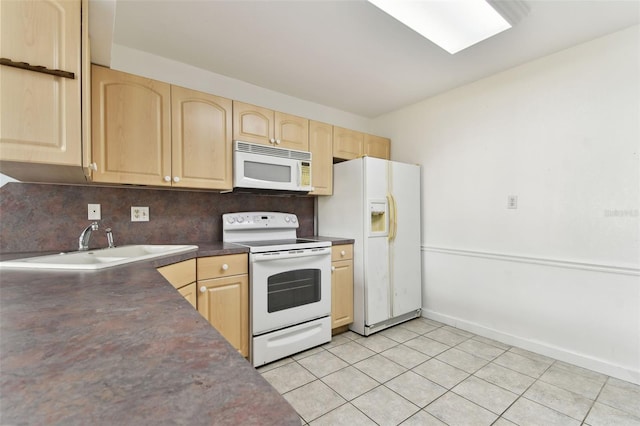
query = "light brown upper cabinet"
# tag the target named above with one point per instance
(321, 147)
(201, 140)
(256, 124)
(41, 127)
(147, 132)
(377, 146)
(131, 120)
(347, 144)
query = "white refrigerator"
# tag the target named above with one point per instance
(377, 203)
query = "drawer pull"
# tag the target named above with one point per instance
(225, 266)
(203, 289)
(342, 253)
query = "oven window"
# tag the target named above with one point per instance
(267, 172)
(293, 288)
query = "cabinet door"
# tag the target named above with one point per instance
(377, 146)
(201, 140)
(347, 144)
(321, 147)
(341, 293)
(252, 123)
(224, 302)
(40, 114)
(291, 132)
(189, 293)
(131, 125)
(179, 274)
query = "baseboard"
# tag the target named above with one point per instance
(542, 348)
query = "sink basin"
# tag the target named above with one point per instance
(98, 259)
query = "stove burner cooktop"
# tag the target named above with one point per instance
(280, 245)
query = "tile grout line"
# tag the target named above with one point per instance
(594, 400)
(475, 338)
(529, 387)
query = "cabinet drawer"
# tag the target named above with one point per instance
(222, 266)
(180, 274)
(342, 252)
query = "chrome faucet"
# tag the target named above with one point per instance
(83, 241)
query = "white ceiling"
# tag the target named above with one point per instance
(344, 54)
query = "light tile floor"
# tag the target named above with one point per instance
(426, 373)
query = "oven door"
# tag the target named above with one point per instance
(289, 287)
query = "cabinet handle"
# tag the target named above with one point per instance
(225, 266)
(333, 268)
(342, 253)
(167, 178)
(94, 166)
(176, 179)
(277, 141)
(37, 68)
(272, 140)
(203, 289)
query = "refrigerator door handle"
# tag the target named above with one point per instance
(393, 217)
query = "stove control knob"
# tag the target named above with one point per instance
(240, 219)
(203, 289)
(293, 219)
(286, 219)
(231, 219)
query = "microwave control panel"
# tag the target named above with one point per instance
(305, 169)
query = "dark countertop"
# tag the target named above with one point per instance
(336, 241)
(121, 346)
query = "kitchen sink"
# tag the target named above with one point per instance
(98, 259)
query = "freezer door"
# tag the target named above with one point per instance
(404, 245)
(376, 266)
(376, 289)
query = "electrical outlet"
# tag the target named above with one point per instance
(512, 201)
(139, 214)
(93, 212)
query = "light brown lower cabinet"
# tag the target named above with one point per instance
(189, 292)
(341, 285)
(182, 276)
(220, 294)
(223, 297)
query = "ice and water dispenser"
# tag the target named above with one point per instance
(379, 213)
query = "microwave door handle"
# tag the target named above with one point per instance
(299, 173)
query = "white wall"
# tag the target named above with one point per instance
(561, 273)
(152, 66)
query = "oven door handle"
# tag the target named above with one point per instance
(265, 257)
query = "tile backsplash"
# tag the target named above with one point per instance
(42, 217)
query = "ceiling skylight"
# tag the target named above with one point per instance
(453, 25)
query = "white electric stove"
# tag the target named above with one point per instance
(290, 283)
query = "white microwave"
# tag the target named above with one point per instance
(258, 166)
